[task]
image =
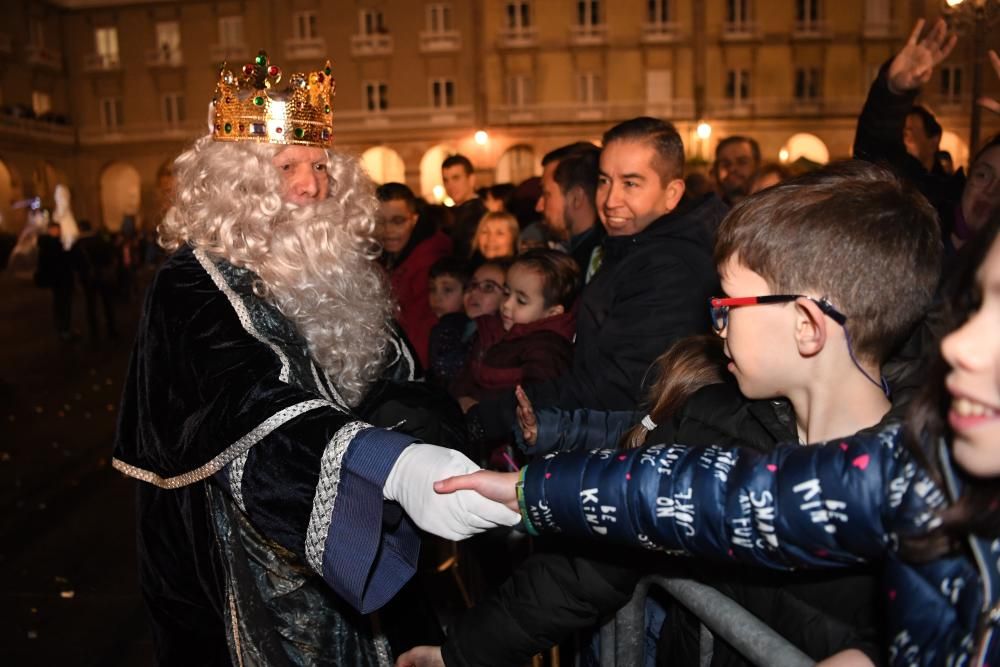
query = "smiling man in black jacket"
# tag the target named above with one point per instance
(651, 288)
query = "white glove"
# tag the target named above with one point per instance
(453, 516)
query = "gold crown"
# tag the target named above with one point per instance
(249, 108)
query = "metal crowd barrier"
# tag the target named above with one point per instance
(623, 637)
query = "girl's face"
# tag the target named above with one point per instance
(973, 352)
(495, 240)
(484, 294)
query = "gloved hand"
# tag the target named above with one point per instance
(453, 516)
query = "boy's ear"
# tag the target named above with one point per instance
(810, 328)
(555, 310)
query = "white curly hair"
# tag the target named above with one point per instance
(315, 263)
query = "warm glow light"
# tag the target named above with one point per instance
(438, 192)
(481, 137)
(954, 3)
(704, 130)
(783, 155)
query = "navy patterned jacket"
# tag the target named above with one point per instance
(820, 506)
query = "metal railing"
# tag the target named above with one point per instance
(623, 637)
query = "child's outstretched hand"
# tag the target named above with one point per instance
(526, 416)
(988, 102)
(496, 486)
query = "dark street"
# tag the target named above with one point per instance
(69, 595)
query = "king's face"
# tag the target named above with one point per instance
(304, 178)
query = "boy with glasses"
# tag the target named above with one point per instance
(823, 277)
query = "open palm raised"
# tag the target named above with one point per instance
(914, 64)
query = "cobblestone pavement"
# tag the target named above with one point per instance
(68, 593)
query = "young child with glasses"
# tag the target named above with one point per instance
(823, 276)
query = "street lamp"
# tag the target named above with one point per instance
(981, 15)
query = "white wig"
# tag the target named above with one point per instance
(315, 262)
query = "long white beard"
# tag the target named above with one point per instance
(322, 276)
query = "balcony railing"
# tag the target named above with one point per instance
(660, 32)
(234, 54)
(810, 29)
(164, 57)
(438, 41)
(305, 48)
(141, 133)
(42, 56)
(374, 44)
(734, 30)
(101, 62)
(603, 111)
(588, 34)
(39, 130)
(405, 118)
(518, 38)
(785, 106)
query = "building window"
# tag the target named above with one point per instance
(658, 11)
(589, 88)
(111, 113)
(738, 86)
(442, 93)
(41, 103)
(588, 13)
(231, 31)
(808, 84)
(518, 15)
(106, 45)
(376, 95)
(370, 22)
(168, 40)
(438, 17)
(173, 109)
(738, 11)
(520, 90)
(304, 25)
(951, 83)
(807, 14)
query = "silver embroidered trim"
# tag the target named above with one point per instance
(241, 310)
(648, 423)
(336, 394)
(227, 455)
(326, 492)
(236, 479)
(319, 383)
(383, 651)
(404, 352)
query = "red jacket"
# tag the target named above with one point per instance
(499, 360)
(409, 285)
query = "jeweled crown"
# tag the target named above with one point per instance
(250, 108)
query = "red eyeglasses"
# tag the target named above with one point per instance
(719, 310)
(719, 307)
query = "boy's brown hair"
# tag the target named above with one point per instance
(851, 232)
(560, 275)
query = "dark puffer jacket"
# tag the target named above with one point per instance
(831, 505)
(569, 589)
(652, 289)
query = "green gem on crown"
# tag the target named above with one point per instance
(228, 127)
(261, 60)
(326, 109)
(299, 133)
(259, 101)
(327, 71)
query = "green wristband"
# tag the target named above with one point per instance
(521, 505)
